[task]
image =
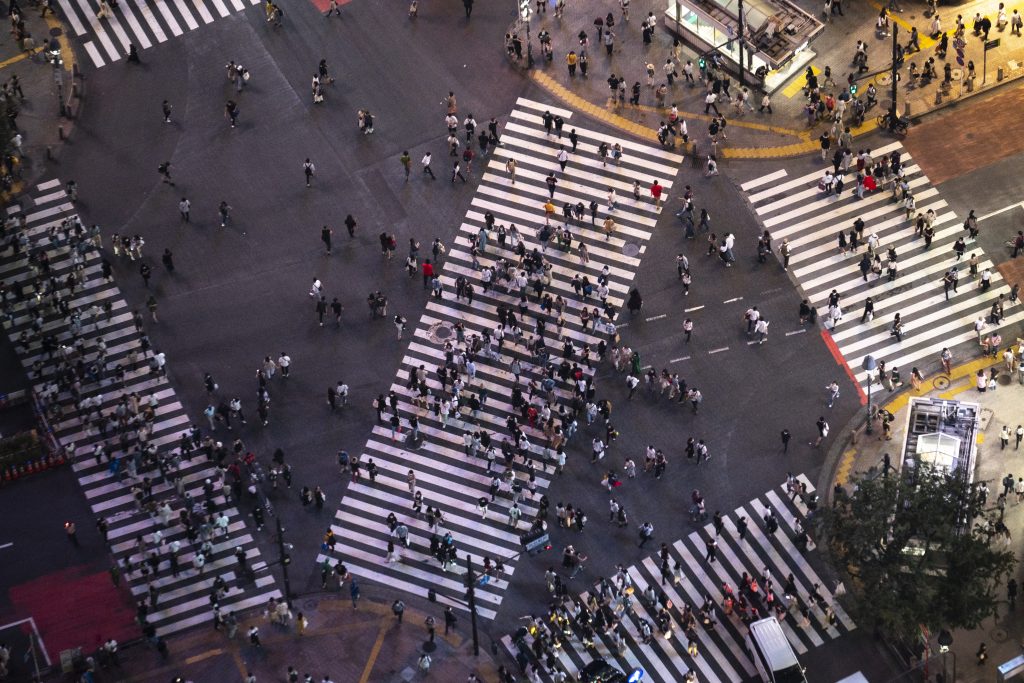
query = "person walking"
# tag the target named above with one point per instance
(166, 107)
(457, 172)
(832, 392)
(822, 426)
(406, 161)
(425, 163)
(785, 436)
(164, 170)
(325, 237)
(224, 210)
(308, 169)
(398, 609)
(354, 593)
(168, 260)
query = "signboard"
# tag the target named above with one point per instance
(534, 540)
(992, 44)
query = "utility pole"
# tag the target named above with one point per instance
(743, 68)
(285, 559)
(470, 597)
(895, 74)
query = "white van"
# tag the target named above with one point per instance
(773, 656)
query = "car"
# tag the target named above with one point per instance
(600, 671)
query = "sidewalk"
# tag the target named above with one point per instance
(43, 129)
(760, 135)
(350, 645)
(1003, 634)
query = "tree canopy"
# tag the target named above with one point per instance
(919, 551)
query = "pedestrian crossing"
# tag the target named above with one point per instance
(448, 478)
(106, 35)
(797, 210)
(721, 650)
(183, 600)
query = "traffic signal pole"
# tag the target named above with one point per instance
(743, 69)
(895, 74)
(285, 561)
(471, 598)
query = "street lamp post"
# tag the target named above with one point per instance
(869, 366)
(286, 559)
(53, 56)
(945, 640)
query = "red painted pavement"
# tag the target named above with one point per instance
(73, 608)
(322, 5)
(841, 362)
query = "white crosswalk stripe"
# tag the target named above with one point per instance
(721, 650)
(797, 210)
(446, 476)
(183, 600)
(106, 38)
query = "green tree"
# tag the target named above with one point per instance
(918, 550)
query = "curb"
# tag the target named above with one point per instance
(844, 448)
(806, 146)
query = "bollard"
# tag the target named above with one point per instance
(970, 85)
(938, 96)
(60, 131)
(999, 74)
(49, 153)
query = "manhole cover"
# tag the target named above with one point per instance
(999, 635)
(630, 249)
(941, 382)
(439, 333)
(310, 604)
(56, 32)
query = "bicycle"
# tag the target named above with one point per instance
(898, 125)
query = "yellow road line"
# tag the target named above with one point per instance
(805, 145)
(203, 655)
(925, 41)
(24, 55)
(733, 122)
(845, 465)
(956, 391)
(66, 53)
(798, 83)
(374, 653)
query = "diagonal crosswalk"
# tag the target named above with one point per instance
(143, 23)
(86, 410)
(446, 476)
(721, 650)
(795, 209)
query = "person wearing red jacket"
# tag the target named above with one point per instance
(428, 273)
